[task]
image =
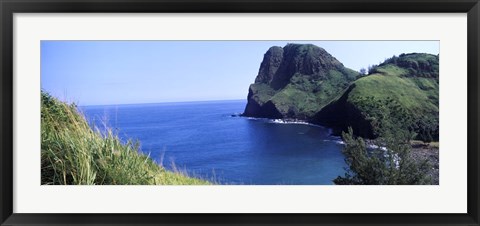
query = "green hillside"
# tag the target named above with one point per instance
(405, 89)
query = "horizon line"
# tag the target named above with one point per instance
(164, 102)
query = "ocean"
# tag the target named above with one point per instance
(204, 140)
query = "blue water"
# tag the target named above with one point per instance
(203, 139)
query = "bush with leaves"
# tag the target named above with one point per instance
(372, 69)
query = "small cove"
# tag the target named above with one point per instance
(204, 139)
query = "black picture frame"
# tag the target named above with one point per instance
(9, 7)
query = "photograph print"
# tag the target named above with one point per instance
(291, 112)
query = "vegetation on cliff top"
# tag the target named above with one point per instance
(74, 154)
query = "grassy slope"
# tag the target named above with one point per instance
(403, 90)
(417, 95)
(411, 79)
(72, 153)
(406, 91)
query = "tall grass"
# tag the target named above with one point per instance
(74, 154)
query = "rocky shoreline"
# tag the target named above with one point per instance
(429, 152)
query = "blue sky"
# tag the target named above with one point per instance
(127, 72)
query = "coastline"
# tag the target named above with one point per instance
(420, 151)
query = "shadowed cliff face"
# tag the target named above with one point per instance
(295, 82)
(341, 114)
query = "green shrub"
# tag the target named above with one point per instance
(386, 160)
